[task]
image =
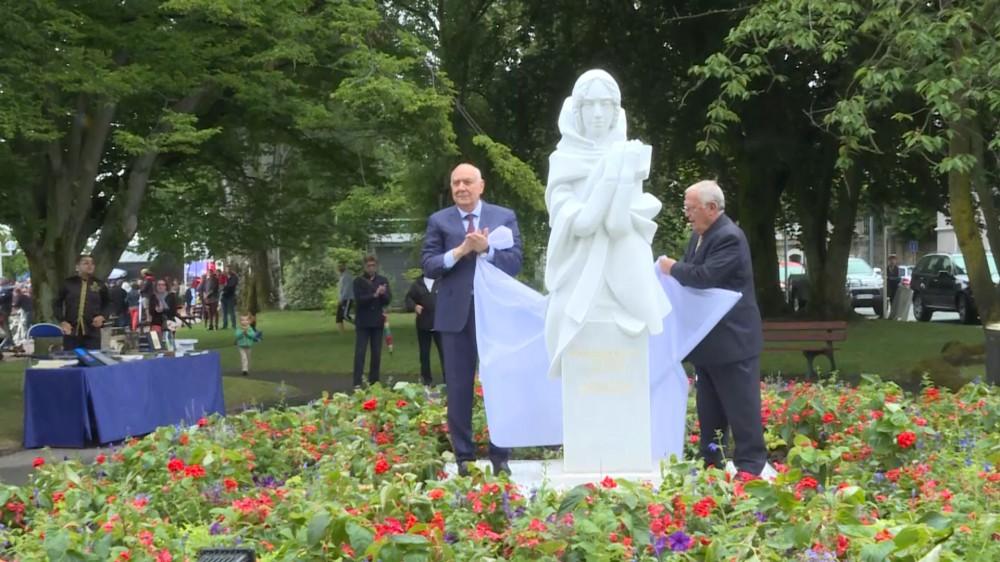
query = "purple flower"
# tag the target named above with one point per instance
(659, 545)
(761, 516)
(215, 529)
(679, 541)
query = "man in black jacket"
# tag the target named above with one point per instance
(81, 306)
(371, 296)
(727, 361)
(421, 299)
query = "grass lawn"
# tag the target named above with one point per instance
(308, 343)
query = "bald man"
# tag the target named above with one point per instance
(456, 237)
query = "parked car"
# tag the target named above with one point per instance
(863, 287)
(940, 282)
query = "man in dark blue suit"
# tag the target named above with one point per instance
(727, 361)
(456, 237)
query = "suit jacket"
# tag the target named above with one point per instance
(723, 261)
(445, 231)
(368, 307)
(418, 294)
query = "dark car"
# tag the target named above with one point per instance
(940, 282)
(863, 286)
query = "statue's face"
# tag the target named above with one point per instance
(597, 111)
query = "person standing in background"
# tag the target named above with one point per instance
(246, 337)
(345, 288)
(371, 293)
(81, 306)
(421, 299)
(229, 291)
(210, 300)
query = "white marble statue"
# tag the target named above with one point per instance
(599, 254)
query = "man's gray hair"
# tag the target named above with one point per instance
(709, 192)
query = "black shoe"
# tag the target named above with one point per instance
(501, 468)
(246, 374)
(463, 468)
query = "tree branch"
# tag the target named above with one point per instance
(685, 17)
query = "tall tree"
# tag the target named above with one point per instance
(775, 53)
(95, 97)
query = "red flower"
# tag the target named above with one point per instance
(435, 494)
(704, 506)
(381, 465)
(892, 475)
(807, 483)
(906, 439)
(537, 525)
(146, 538)
(202, 422)
(99, 459)
(609, 483)
(230, 484)
(401, 403)
(57, 497)
(829, 417)
(164, 556)
(370, 404)
(194, 471)
(184, 439)
(842, 544)
(175, 465)
(125, 555)
(39, 461)
(883, 535)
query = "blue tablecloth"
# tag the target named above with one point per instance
(78, 406)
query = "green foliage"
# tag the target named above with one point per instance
(306, 280)
(518, 176)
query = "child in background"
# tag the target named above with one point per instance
(246, 337)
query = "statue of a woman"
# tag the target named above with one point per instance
(599, 263)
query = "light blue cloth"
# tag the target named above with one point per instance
(524, 405)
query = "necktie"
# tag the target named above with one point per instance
(471, 228)
(698, 245)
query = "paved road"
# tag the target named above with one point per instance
(943, 317)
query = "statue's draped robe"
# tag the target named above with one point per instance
(601, 273)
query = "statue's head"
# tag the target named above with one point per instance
(596, 104)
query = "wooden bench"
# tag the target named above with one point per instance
(811, 338)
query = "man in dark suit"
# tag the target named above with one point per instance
(80, 307)
(456, 237)
(421, 299)
(727, 361)
(371, 295)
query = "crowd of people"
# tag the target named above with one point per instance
(84, 304)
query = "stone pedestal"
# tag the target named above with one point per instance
(606, 412)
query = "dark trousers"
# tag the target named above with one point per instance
(344, 311)
(424, 339)
(228, 311)
(211, 314)
(729, 397)
(364, 338)
(89, 341)
(460, 356)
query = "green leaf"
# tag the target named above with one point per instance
(317, 527)
(359, 537)
(877, 552)
(573, 499)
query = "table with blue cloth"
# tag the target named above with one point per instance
(81, 406)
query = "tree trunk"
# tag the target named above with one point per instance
(826, 259)
(758, 198)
